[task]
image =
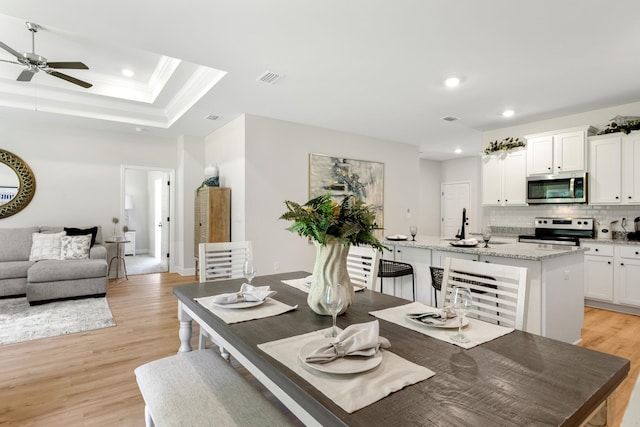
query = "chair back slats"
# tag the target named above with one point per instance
(362, 265)
(219, 261)
(498, 291)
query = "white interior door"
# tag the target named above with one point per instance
(165, 212)
(455, 197)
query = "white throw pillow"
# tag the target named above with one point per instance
(75, 247)
(45, 246)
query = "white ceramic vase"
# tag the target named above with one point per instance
(330, 268)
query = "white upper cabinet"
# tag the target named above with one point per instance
(613, 164)
(540, 155)
(557, 152)
(631, 169)
(504, 179)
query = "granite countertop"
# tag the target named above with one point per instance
(611, 241)
(506, 247)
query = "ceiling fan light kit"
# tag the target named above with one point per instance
(34, 62)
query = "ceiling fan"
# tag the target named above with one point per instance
(34, 62)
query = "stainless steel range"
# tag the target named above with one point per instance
(560, 231)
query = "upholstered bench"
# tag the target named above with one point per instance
(52, 279)
(199, 388)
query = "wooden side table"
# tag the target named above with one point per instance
(119, 259)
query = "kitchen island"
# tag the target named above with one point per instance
(555, 282)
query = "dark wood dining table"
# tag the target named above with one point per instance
(519, 379)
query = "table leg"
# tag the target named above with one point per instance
(185, 329)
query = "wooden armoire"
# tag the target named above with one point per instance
(212, 216)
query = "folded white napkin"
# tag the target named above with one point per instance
(247, 293)
(471, 241)
(435, 317)
(360, 339)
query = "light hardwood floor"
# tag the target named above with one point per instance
(86, 379)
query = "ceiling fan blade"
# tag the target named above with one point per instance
(26, 75)
(11, 51)
(69, 79)
(10, 62)
(68, 65)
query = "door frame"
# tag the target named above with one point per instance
(172, 211)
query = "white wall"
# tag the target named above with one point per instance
(266, 161)
(78, 171)
(277, 169)
(189, 176)
(226, 148)
(429, 212)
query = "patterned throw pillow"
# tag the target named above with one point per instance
(45, 246)
(75, 247)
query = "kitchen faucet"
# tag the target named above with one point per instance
(460, 234)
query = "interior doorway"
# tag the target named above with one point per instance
(455, 197)
(147, 206)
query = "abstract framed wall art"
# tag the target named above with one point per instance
(341, 176)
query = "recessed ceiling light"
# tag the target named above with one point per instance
(127, 72)
(452, 82)
(458, 150)
(508, 113)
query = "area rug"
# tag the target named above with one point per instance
(21, 322)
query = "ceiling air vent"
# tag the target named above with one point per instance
(450, 119)
(212, 117)
(269, 78)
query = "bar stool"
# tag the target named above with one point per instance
(390, 268)
(436, 282)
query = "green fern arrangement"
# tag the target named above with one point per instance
(351, 221)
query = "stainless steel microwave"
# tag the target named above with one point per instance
(562, 188)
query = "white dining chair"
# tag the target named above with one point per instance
(221, 261)
(498, 291)
(362, 265)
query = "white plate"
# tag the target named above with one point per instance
(242, 304)
(449, 324)
(342, 365)
(397, 237)
(463, 245)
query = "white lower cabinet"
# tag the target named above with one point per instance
(612, 276)
(598, 272)
(628, 267)
(438, 257)
(402, 287)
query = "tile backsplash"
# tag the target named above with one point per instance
(516, 219)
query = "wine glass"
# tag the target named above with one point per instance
(249, 270)
(413, 230)
(333, 301)
(486, 235)
(461, 302)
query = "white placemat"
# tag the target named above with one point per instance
(271, 307)
(478, 331)
(297, 283)
(300, 284)
(354, 391)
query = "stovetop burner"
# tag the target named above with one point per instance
(555, 240)
(560, 231)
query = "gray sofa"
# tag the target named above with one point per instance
(47, 280)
